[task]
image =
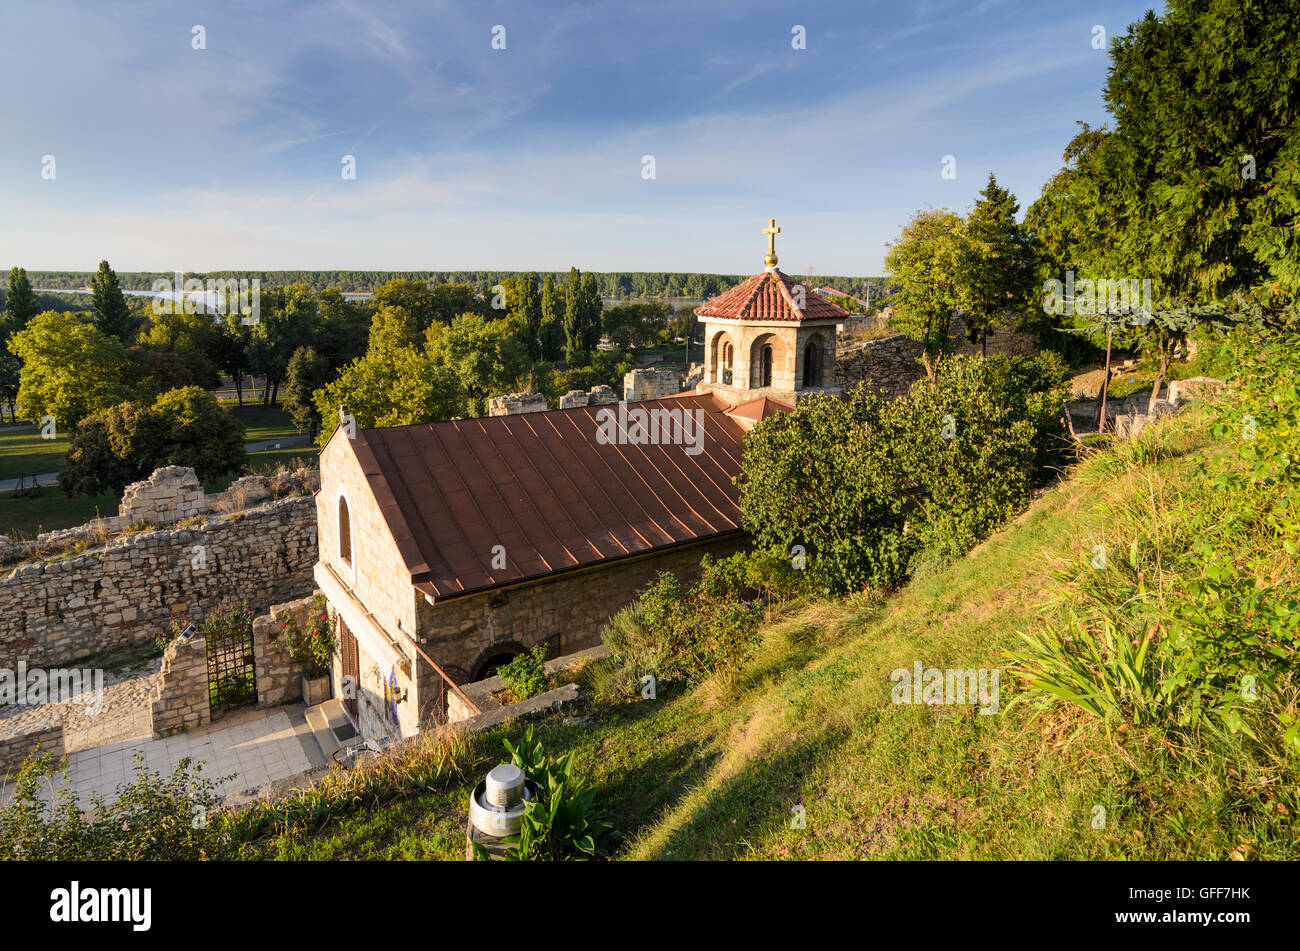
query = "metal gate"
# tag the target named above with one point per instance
(351, 668)
(232, 681)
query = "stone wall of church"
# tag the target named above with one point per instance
(569, 610)
(122, 591)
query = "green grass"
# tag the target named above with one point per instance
(26, 518)
(702, 774)
(263, 422)
(23, 450)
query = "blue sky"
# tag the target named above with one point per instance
(171, 158)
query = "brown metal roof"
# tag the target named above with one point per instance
(543, 486)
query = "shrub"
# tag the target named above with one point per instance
(117, 445)
(153, 818)
(526, 674)
(870, 487)
(685, 634)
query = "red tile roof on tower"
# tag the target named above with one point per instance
(770, 295)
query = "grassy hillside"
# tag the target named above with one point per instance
(719, 772)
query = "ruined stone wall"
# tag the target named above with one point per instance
(181, 701)
(279, 676)
(121, 592)
(893, 363)
(516, 403)
(31, 739)
(650, 384)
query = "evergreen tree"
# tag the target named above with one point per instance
(998, 275)
(112, 315)
(574, 317)
(20, 303)
(528, 309)
(592, 312)
(552, 329)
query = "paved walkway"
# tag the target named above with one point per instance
(242, 752)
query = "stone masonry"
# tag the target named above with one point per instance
(516, 403)
(182, 702)
(37, 738)
(568, 610)
(893, 364)
(650, 384)
(121, 591)
(279, 676)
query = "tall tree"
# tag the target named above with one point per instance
(527, 308)
(592, 310)
(20, 302)
(69, 368)
(112, 315)
(552, 330)
(574, 314)
(925, 263)
(308, 371)
(998, 265)
(289, 320)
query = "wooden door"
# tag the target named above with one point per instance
(351, 668)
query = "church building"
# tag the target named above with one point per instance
(446, 549)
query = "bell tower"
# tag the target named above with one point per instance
(770, 336)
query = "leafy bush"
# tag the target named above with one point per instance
(153, 818)
(563, 822)
(869, 487)
(526, 674)
(117, 445)
(679, 633)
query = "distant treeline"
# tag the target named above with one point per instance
(610, 283)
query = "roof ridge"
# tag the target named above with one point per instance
(789, 298)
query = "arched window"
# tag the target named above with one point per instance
(812, 364)
(728, 357)
(345, 532)
(765, 369)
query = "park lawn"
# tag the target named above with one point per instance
(51, 510)
(23, 450)
(263, 422)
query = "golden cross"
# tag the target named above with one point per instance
(771, 231)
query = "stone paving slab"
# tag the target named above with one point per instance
(241, 755)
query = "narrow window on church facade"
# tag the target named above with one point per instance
(728, 352)
(345, 532)
(765, 378)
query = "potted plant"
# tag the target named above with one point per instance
(313, 644)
